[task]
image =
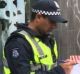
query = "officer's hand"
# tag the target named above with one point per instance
(69, 63)
(67, 66)
(75, 58)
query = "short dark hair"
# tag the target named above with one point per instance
(33, 15)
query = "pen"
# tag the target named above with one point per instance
(62, 61)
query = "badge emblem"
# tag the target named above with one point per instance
(15, 53)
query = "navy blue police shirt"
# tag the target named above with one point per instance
(19, 52)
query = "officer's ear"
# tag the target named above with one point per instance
(39, 16)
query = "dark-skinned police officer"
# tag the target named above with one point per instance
(32, 49)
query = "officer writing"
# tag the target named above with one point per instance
(32, 49)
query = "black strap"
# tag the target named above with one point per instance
(52, 42)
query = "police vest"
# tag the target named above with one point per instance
(42, 54)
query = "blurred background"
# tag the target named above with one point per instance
(67, 35)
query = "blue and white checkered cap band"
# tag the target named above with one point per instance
(46, 12)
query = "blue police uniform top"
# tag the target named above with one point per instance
(19, 53)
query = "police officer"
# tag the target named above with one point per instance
(32, 49)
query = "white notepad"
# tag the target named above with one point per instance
(76, 69)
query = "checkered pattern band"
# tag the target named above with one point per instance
(46, 12)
